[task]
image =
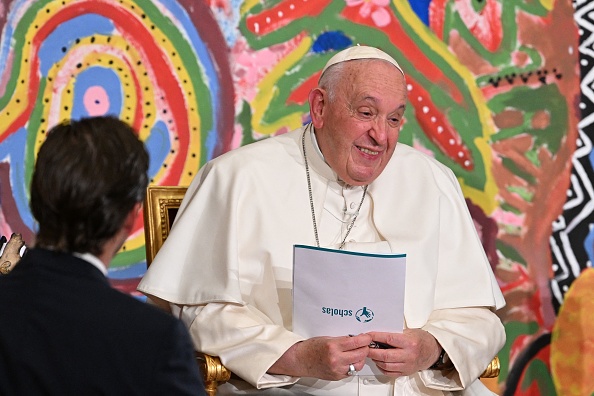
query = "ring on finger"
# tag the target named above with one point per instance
(352, 370)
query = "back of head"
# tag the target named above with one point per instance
(88, 176)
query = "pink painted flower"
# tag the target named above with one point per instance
(376, 9)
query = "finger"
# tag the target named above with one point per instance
(357, 341)
(356, 357)
(392, 355)
(392, 369)
(359, 365)
(388, 339)
(380, 345)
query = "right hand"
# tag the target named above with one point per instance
(326, 358)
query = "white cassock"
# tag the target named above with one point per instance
(228, 262)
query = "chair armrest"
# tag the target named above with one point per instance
(213, 372)
(493, 369)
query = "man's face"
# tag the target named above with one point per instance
(358, 131)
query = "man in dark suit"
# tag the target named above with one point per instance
(63, 329)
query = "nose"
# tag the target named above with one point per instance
(378, 130)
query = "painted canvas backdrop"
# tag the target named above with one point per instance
(494, 93)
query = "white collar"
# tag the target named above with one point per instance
(314, 140)
(315, 156)
(88, 257)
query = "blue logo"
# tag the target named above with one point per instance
(364, 315)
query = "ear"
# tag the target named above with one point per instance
(317, 104)
(131, 218)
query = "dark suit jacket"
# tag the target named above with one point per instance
(65, 331)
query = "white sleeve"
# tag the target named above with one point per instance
(471, 338)
(245, 340)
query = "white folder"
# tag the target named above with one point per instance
(337, 293)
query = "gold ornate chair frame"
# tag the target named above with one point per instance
(160, 207)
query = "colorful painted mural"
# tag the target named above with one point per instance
(494, 93)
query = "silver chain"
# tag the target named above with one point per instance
(311, 203)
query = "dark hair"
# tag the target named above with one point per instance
(88, 176)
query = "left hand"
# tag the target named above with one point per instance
(414, 350)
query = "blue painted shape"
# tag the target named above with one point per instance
(158, 146)
(13, 150)
(421, 8)
(589, 245)
(97, 76)
(331, 41)
(136, 270)
(57, 43)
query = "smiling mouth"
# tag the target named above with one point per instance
(367, 151)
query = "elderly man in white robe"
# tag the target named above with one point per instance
(341, 182)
